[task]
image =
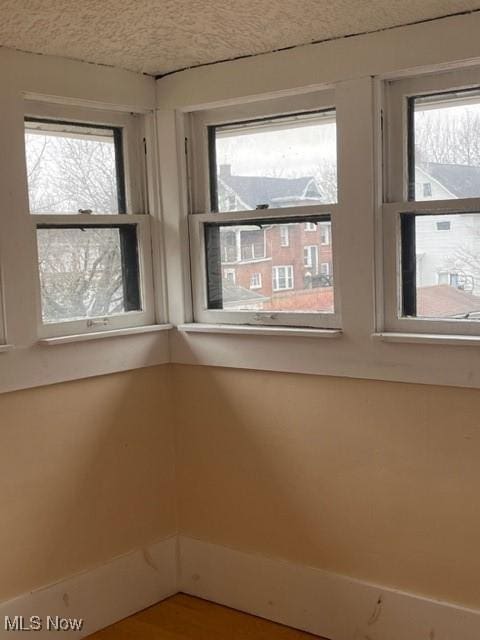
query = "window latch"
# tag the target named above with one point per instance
(101, 322)
(265, 316)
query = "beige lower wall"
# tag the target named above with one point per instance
(376, 480)
(372, 479)
(87, 473)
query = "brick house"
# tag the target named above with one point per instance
(277, 260)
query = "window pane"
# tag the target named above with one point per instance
(73, 168)
(250, 268)
(282, 162)
(446, 153)
(87, 272)
(447, 265)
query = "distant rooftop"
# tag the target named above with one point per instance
(444, 301)
(255, 190)
(462, 180)
(233, 293)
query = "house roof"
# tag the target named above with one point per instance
(255, 190)
(443, 301)
(232, 294)
(462, 180)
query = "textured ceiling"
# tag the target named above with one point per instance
(158, 36)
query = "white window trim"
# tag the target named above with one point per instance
(308, 248)
(272, 318)
(276, 278)
(197, 176)
(360, 354)
(396, 201)
(227, 272)
(326, 229)
(284, 236)
(327, 270)
(136, 199)
(199, 121)
(259, 284)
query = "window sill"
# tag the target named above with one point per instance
(99, 335)
(6, 347)
(248, 330)
(427, 338)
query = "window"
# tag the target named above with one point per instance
(293, 288)
(282, 168)
(436, 215)
(325, 268)
(271, 163)
(229, 275)
(282, 278)
(441, 275)
(325, 234)
(74, 168)
(443, 225)
(284, 238)
(444, 146)
(88, 271)
(427, 189)
(93, 266)
(256, 280)
(310, 257)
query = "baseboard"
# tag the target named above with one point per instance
(101, 596)
(323, 603)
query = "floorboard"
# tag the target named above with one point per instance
(183, 617)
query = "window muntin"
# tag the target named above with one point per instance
(87, 272)
(444, 146)
(74, 168)
(271, 277)
(441, 271)
(278, 162)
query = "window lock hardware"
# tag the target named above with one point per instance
(85, 211)
(265, 316)
(101, 322)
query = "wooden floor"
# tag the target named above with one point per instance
(182, 617)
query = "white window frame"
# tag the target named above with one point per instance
(310, 226)
(230, 272)
(258, 280)
(308, 262)
(324, 268)
(284, 236)
(136, 198)
(396, 198)
(289, 277)
(196, 125)
(325, 240)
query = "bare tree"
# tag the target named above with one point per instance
(80, 269)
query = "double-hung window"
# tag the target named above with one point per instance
(263, 192)
(87, 213)
(432, 217)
